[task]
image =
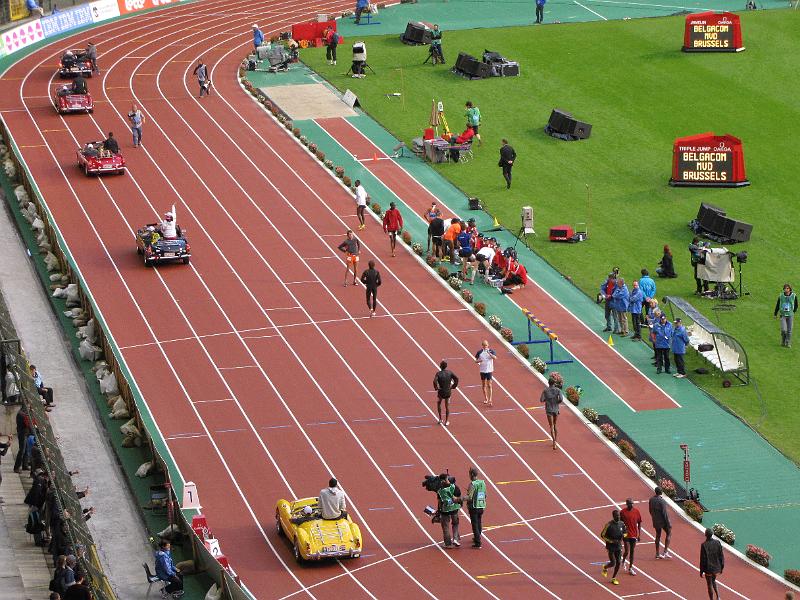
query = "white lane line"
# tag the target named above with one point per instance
(594, 12)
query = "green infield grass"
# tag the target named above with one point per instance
(630, 80)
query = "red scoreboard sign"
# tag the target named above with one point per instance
(708, 160)
(712, 32)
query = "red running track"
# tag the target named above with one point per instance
(264, 374)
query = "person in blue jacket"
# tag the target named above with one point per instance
(540, 10)
(648, 286)
(620, 297)
(662, 334)
(166, 571)
(362, 6)
(680, 339)
(258, 37)
(635, 302)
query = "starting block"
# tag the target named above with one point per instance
(551, 337)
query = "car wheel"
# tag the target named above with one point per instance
(297, 556)
(148, 263)
(186, 260)
(281, 533)
(138, 250)
(356, 555)
(89, 110)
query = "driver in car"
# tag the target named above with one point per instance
(168, 228)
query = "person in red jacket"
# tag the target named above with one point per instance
(516, 274)
(392, 224)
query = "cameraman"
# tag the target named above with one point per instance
(436, 45)
(449, 505)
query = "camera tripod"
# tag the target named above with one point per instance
(435, 53)
(364, 66)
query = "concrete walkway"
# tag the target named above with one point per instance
(116, 526)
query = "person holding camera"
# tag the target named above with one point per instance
(449, 504)
(436, 45)
(476, 502)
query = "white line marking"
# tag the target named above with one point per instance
(590, 10)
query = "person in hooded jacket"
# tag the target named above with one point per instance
(662, 333)
(680, 339)
(620, 299)
(635, 301)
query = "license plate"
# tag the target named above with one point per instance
(330, 550)
(169, 255)
(107, 167)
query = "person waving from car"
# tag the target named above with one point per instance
(168, 228)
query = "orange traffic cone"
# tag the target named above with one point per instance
(375, 157)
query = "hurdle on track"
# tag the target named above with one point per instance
(552, 336)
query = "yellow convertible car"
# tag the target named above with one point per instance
(313, 538)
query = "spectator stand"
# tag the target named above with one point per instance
(551, 337)
(719, 348)
(46, 454)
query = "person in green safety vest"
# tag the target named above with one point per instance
(449, 504)
(473, 115)
(476, 502)
(785, 308)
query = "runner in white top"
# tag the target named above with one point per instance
(361, 203)
(485, 357)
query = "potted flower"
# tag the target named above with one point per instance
(693, 509)
(312, 147)
(432, 260)
(346, 180)
(573, 394)
(329, 164)
(417, 249)
(668, 487)
(523, 349)
(495, 322)
(507, 334)
(406, 237)
(627, 449)
(304, 140)
(376, 208)
(758, 555)
(467, 296)
(647, 468)
(539, 364)
(454, 282)
(591, 414)
(724, 533)
(320, 156)
(480, 308)
(339, 172)
(792, 576)
(443, 272)
(608, 430)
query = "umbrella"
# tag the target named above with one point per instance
(434, 120)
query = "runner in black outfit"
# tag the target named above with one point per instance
(371, 279)
(613, 533)
(444, 383)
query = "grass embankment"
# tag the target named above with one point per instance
(630, 80)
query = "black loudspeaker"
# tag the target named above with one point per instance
(475, 204)
(416, 33)
(510, 69)
(738, 231)
(719, 224)
(707, 214)
(580, 130)
(462, 60)
(560, 121)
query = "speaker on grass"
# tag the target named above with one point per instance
(707, 214)
(462, 60)
(416, 33)
(739, 230)
(580, 130)
(560, 120)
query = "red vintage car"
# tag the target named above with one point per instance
(94, 159)
(67, 101)
(73, 63)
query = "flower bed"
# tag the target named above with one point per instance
(627, 449)
(758, 555)
(609, 431)
(495, 322)
(591, 414)
(647, 468)
(693, 509)
(723, 533)
(467, 296)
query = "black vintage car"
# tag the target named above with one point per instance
(155, 248)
